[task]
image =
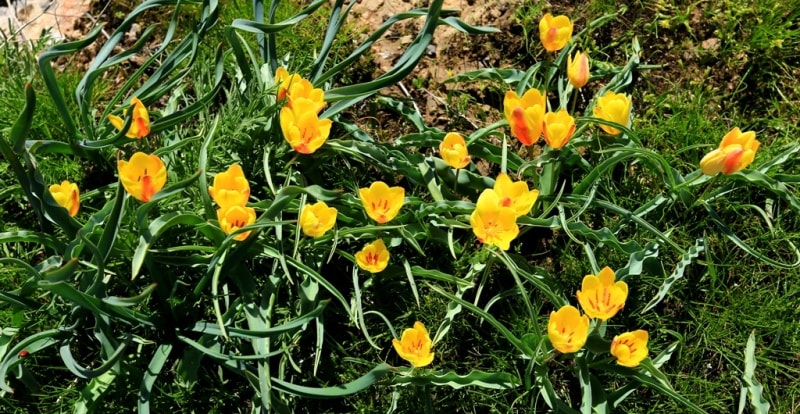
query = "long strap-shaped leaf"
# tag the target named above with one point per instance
(149, 377)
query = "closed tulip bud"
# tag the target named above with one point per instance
(736, 151)
(525, 115)
(317, 219)
(555, 32)
(614, 107)
(558, 128)
(67, 195)
(578, 69)
(453, 150)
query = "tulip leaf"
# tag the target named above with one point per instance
(754, 388)
(338, 391)
(150, 375)
(272, 332)
(156, 228)
(86, 373)
(686, 259)
(476, 378)
(20, 129)
(30, 344)
(93, 304)
(92, 393)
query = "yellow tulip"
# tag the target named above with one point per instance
(578, 69)
(614, 107)
(294, 87)
(302, 128)
(555, 32)
(600, 297)
(558, 128)
(453, 150)
(140, 125)
(630, 348)
(234, 217)
(525, 115)
(67, 195)
(415, 346)
(317, 219)
(492, 223)
(515, 194)
(142, 176)
(230, 188)
(736, 151)
(381, 202)
(374, 257)
(567, 329)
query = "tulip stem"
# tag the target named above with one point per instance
(701, 198)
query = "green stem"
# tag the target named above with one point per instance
(700, 199)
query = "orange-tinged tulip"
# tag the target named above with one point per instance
(630, 348)
(234, 217)
(492, 223)
(374, 257)
(578, 69)
(600, 297)
(140, 125)
(453, 150)
(515, 194)
(294, 87)
(302, 128)
(736, 151)
(230, 188)
(67, 195)
(525, 115)
(317, 219)
(567, 329)
(614, 107)
(558, 128)
(415, 346)
(142, 176)
(382, 202)
(555, 32)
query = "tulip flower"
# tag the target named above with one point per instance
(317, 219)
(142, 176)
(567, 329)
(493, 223)
(600, 297)
(140, 126)
(736, 151)
(614, 107)
(230, 188)
(302, 128)
(558, 128)
(453, 150)
(578, 69)
(515, 194)
(382, 202)
(67, 195)
(555, 32)
(415, 346)
(294, 87)
(525, 115)
(234, 217)
(630, 348)
(374, 257)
